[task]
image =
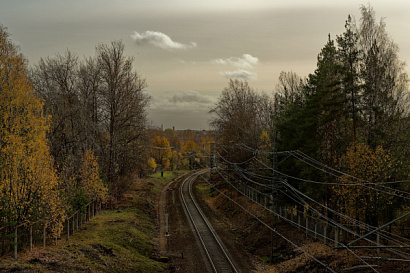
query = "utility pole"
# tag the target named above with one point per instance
(172, 159)
(273, 199)
(211, 159)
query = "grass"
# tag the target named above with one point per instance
(206, 190)
(161, 181)
(118, 240)
(115, 241)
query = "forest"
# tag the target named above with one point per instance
(74, 131)
(340, 136)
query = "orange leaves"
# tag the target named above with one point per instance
(91, 182)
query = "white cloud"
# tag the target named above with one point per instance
(239, 74)
(243, 64)
(160, 40)
(245, 61)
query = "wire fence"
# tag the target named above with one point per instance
(27, 235)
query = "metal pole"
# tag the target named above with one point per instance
(272, 192)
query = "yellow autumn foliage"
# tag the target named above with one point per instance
(190, 147)
(358, 193)
(166, 163)
(93, 186)
(162, 148)
(152, 165)
(264, 141)
(27, 177)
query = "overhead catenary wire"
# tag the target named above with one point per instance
(282, 236)
(268, 185)
(353, 221)
(283, 218)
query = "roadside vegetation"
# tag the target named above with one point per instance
(117, 240)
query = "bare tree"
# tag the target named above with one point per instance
(123, 108)
(240, 116)
(288, 90)
(55, 80)
(89, 75)
(96, 105)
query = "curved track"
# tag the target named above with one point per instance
(216, 254)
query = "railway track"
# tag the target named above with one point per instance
(215, 252)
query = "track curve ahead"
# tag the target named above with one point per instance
(217, 255)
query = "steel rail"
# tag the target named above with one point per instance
(215, 253)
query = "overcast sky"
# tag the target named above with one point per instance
(188, 49)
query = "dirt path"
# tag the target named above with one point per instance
(162, 203)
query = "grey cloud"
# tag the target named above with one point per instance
(191, 96)
(245, 61)
(239, 74)
(187, 109)
(191, 100)
(160, 40)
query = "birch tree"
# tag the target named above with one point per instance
(27, 176)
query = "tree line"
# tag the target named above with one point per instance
(71, 130)
(351, 114)
(178, 150)
(74, 131)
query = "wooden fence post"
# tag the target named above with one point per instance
(336, 236)
(31, 237)
(44, 234)
(378, 243)
(307, 225)
(15, 243)
(298, 220)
